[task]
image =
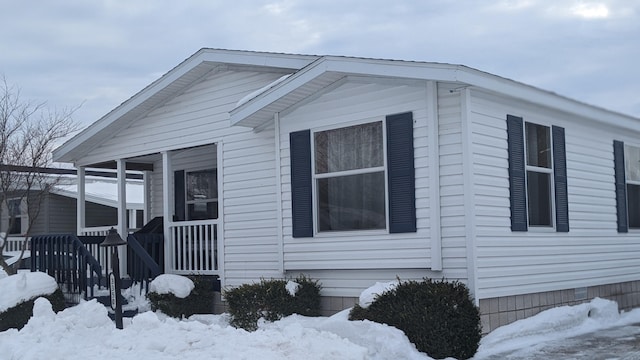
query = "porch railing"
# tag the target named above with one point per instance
(145, 259)
(65, 258)
(193, 246)
(96, 230)
(15, 243)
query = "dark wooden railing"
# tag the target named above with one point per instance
(145, 259)
(66, 259)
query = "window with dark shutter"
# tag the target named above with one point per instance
(537, 175)
(560, 179)
(627, 181)
(351, 189)
(401, 173)
(517, 182)
(301, 183)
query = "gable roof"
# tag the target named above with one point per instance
(328, 69)
(310, 74)
(169, 85)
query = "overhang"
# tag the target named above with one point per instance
(260, 110)
(169, 85)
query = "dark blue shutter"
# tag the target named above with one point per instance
(301, 180)
(517, 187)
(560, 179)
(179, 196)
(401, 173)
(621, 186)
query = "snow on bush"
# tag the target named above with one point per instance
(24, 286)
(369, 294)
(177, 285)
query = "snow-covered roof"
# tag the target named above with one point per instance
(105, 192)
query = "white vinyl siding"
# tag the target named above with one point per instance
(198, 116)
(349, 104)
(592, 253)
(452, 203)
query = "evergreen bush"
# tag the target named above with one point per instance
(18, 316)
(439, 317)
(199, 301)
(269, 299)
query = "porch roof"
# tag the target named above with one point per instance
(166, 87)
(259, 111)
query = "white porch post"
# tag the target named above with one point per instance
(80, 204)
(123, 229)
(166, 208)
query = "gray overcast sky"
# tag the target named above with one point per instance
(100, 53)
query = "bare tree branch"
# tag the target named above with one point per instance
(28, 134)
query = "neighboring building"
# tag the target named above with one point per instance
(58, 209)
(355, 170)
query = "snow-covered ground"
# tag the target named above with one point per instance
(85, 331)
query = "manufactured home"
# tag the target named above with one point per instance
(355, 171)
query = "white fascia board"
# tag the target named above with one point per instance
(275, 60)
(347, 66)
(545, 98)
(435, 72)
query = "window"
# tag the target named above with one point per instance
(349, 178)
(202, 194)
(537, 176)
(538, 152)
(342, 183)
(196, 195)
(632, 171)
(627, 179)
(15, 216)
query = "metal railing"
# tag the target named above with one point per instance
(145, 258)
(194, 247)
(67, 260)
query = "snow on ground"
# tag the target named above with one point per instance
(85, 331)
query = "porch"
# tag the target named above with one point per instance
(181, 190)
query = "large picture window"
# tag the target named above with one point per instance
(350, 178)
(358, 177)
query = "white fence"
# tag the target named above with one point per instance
(193, 247)
(15, 243)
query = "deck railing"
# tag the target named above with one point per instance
(193, 246)
(145, 258)
(15, 243)
(65, 258)
(96, 230)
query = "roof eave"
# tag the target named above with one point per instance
(253, 113)
(65, 152)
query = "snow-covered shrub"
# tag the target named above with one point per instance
(184, 304)
(18, 316)
(272, 300)
(439, 317)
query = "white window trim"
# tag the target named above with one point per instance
(550, 170)
(315, 177)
